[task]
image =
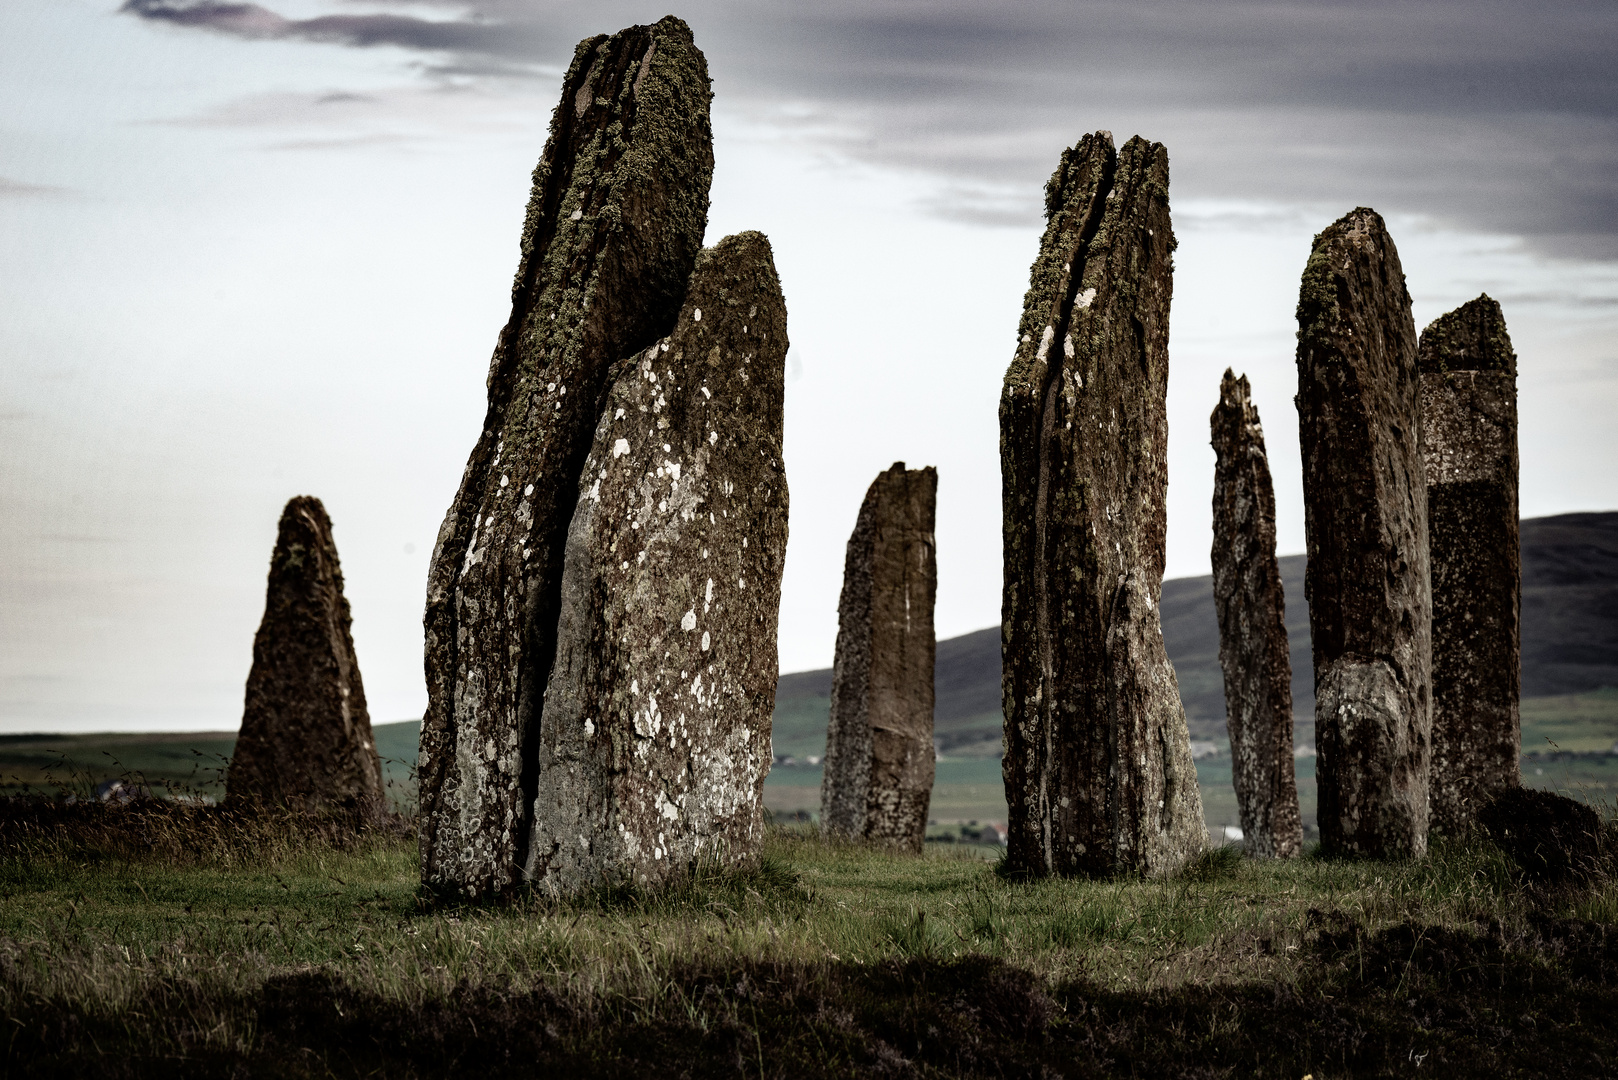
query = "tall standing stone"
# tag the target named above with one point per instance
(878, 778)
(1252, 628)
(1098, 771)
(1365, 510)
(655, 738)
(306, 735)
(614, 224)
(1469, 418)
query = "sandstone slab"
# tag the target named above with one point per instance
(1098, 770)
(1365, 512)
(1469, 418)
(1252, 628)
(878, 776)
(655, 736)
(306, 734)
(614, 224)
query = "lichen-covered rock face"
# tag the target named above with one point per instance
(1098, 771)
(615, 221)
(1469, 420)
(878, 778)
(1252, 628)
(1365, 511)
(655, 736)
(306, 735)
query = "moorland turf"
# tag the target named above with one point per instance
(183, 941)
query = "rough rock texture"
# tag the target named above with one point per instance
(1365, 510)
(1552, 837)
(615, 221)
(655, 737)
(1469, 422)
(306, 735)
(1098, 771)
(878, 778)
(1252, 628)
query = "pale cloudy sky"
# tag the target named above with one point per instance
(253, 250)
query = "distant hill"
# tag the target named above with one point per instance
(1569, 637)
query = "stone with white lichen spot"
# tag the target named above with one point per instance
(668, 781)
(630, 156)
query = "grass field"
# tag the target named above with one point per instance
(182, 941)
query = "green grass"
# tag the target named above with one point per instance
(205, 942)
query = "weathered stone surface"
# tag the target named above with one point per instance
(1365, 510)
(1098, 771)
(878, 778)
(306, 735)
(615, 221)
(1252, 628)
(1469, 421)
(655, 737)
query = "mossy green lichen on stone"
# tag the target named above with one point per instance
(1098, 767)
(614, 223)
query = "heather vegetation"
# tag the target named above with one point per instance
(198, 941)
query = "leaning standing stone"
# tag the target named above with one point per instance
(1252, 628)
(1469, 418)
(655, 739)
(306, 735)
(878, 778)
(1098, 771)
(615, 221)
(1365, 510)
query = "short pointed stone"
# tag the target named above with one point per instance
(1365, 511)
(1252, 628)
(1098, 770)
(878, 778)
(615, 221)
(306, 735)
(1469, 418)
(656, 733)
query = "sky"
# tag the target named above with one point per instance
(250, 251)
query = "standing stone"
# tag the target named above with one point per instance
(1252, 628)
(615, 221)
(1365, 510)
(1098, 771)
(306, 735)
(878, 778)
(1469, 419)
(655, 737)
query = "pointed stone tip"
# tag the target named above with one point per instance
(1473, 337)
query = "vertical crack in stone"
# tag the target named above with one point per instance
(613, 227)
(306, 733)
(1094, 726)
(1469, 425)
(878, 776)
(656, 739)
(1252, 628)
(1365, 510)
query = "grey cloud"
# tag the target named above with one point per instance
(1491, 115)
(10, 188)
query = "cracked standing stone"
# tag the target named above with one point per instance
(615, 221)
(306, 735)
(878, 778)
(1365, 511)
(1098, 770)
(1252, 628)
(1469, 418)
(655, 738)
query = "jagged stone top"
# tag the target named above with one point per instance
(1089, 200)
(1473, 337)
(1235, 417)
(1342, 254)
